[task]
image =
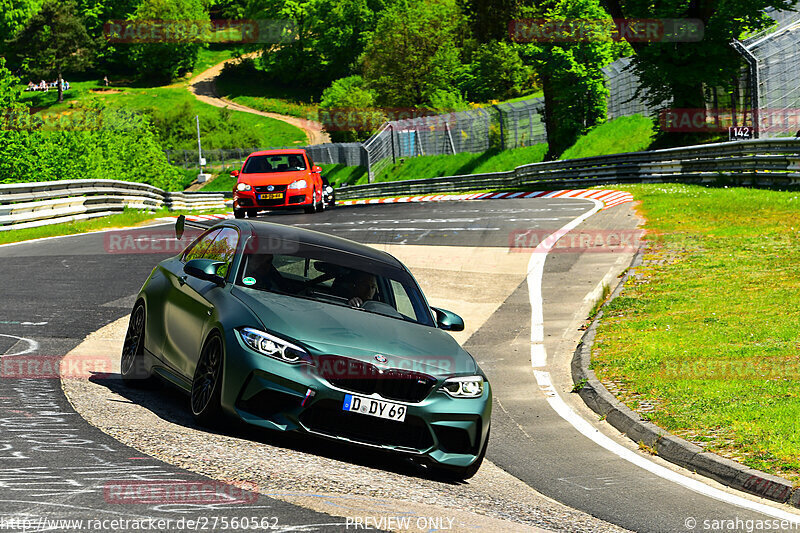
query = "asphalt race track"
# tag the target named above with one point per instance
(55, 292)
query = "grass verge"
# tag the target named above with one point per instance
(258, 93)
(707, 330)
(624, 134)
(128, 218)
(434, 166)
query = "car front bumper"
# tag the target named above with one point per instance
(269, 393)
(289, 199)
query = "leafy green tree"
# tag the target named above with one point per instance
(96, 13)
(13, 16)
(53, 41)
(677, 72)
(347, 110)
(569, 73)
(496, 72)
(489, 18)
(325, 40)
(415, 51)
(163, 61)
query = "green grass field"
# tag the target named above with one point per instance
(208, 57)
(624, 134)
(269, 97)
(708, 330)
(433, 166)
(173, 109)
(128, 218)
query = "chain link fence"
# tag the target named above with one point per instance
(504, 126)
(774, 58)
(623, 84)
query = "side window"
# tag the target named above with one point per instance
(290, 266)
(222, 249)
(402, 301)
(196, 250)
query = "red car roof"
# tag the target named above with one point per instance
(282, 151)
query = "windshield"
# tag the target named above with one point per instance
(274, 163)
(336, 278)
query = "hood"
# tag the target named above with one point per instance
(329, 329)
(274, 178)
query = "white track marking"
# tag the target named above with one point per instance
(539, 359)
(534, 278)
(29, 241)
(32, 345)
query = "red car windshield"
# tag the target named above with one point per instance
(259, 164)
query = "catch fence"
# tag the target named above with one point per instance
(774, 56)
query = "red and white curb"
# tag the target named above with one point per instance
(608, 197)
(198, 218)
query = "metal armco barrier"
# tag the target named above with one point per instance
(774, 162)
(27, 205)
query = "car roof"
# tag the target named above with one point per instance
(282, 151)
(270, 230)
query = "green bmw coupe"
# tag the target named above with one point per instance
(295, 330)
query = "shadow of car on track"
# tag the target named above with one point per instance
(172, 405)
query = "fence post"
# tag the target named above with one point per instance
(391, 139)
(502, 130)
(450, 137)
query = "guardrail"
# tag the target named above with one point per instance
(27, 205)
(758, 162)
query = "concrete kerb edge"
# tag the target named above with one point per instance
(667, 446)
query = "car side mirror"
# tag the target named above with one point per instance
(180, 226)
(448, 320)
(234, 173)
(316, 169)
(205, 269)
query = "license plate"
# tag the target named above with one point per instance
(270, 196)
(373, 407)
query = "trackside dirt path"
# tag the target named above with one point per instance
(205, 90)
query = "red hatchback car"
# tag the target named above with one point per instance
(277, 179)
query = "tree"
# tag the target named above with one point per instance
(677, 72)
(324, 40)
(162, 61)
(347, 110)
(13, 16)
(415, 52)
(53, 41)
(569, 72)
(489, 18)
(496, 72)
